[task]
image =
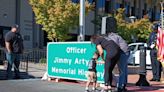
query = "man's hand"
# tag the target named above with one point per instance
(152, 46)
(100, 62)
(8, 47)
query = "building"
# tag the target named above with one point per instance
(20, 12)
(136, 8)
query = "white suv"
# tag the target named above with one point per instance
(134, 57)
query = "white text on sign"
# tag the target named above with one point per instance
(76, 50)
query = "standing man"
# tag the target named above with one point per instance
(111, 28)
(14, 47)
(156, 65)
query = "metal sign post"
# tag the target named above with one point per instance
(81, 36)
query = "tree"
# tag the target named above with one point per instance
(122, 28)
(57, 17)
(140, 29)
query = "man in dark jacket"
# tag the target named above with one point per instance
(156, 65)
(14, 47)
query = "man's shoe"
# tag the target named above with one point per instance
(120, 89)
(17, 77)
(153, 79)
(95, 90)
(103, 90)
(124, 89)
(87, 90)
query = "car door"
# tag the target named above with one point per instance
(131, 59)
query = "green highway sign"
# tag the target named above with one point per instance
(69, 60)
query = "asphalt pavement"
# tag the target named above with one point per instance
(34, 83)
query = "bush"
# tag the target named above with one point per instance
(43, 60)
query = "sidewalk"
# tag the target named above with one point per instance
(154, 86)
(34, 71)
(37, 70)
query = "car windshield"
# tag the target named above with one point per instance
(132, 47)
(135, 47)
(140, 46)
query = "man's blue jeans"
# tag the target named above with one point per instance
(13, 59)
(122, 65)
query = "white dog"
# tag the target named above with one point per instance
(46, 77)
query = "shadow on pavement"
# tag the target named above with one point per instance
(23, 75)
(151, 88)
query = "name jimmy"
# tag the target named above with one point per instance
(69, 61)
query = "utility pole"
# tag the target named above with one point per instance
(107, 4)
(123, 4)
(81, 36)
(96, 30)
(95, 16)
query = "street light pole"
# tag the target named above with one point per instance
(81, 36)
(123, 2)
(95, 26)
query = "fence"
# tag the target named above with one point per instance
(35, 55)
(32, 55)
